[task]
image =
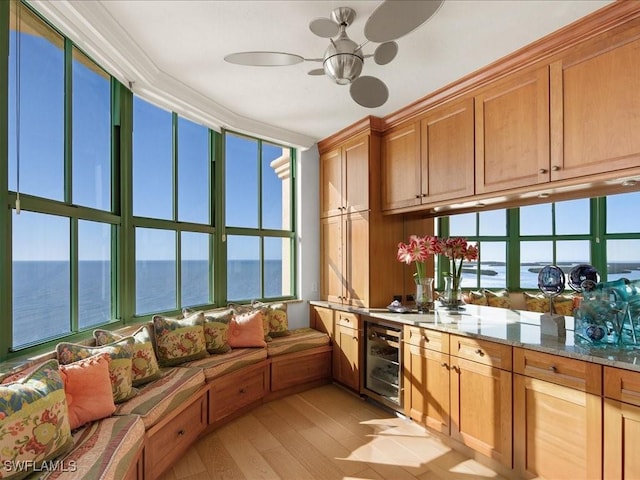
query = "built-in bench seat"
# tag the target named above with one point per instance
(217, 365)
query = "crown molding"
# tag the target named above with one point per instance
(99, 35)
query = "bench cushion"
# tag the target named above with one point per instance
(300, 339)
(161, 396)
(102, 450)
(220, 364)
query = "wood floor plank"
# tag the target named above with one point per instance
(324, 434)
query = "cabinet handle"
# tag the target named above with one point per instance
(553, 368)
(355, 338)
(426, 339)
(181, 433)
(243, 390)
(424, 195)
(445, 365)
(480, 352)
(455, 369)
(542, 171)
(417, 196)
(555, 168)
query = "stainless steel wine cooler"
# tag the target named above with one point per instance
(383, 363)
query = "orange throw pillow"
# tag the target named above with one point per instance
(247, 330)
(88, 389)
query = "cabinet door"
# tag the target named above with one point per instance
(346, 364)
(356, 261)
(512, 133)
(331, 199)
(355, 157)
(401, 167)
(557, 430)
(621, 440)
(426, 387)
(447, 153)
(594, 109)
(481, 408)
(322, 319)
(331, 265)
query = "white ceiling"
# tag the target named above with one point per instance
(173, 53)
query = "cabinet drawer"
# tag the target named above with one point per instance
(482, 351)
(576, 374)
(236, 390)
(622, 385)
(350, 320)
(425, 338)
(300, 368)
(167, 443)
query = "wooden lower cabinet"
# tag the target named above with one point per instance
(170, 438)
(300, 368)
(621, 424)
(346, 356)
(557, 417)
(234, 391)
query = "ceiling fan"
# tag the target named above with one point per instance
(343, 59)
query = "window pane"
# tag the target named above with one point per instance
(570, 253)
(193, 172)
(195, 281)
(41, 277)
(470, 272)
(463, 225)
(572, 217)
(91, 134)
(623, 259)
(493, 223)
(533, 256)
(276, 187)
(493, 264)
(152, 161)
(155, 270)
(277, 267)
(94, 273)
(621, 216)
(243, 268)
(241, 185)
(536, 220)
(41, 108)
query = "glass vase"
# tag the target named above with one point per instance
(424, 294)
(452, 296)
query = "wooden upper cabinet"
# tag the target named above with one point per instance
(512, 132)
(400, 167)
(595, 107)
(447, 152)
(344, 178)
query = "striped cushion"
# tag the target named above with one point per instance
(223, 363)
(163, 395)
(102, 450)
(300, 339)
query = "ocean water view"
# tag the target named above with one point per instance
(41, 292)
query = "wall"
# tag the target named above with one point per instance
(308, 230)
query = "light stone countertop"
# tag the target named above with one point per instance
(512, 327)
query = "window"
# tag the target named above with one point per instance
(259, 242)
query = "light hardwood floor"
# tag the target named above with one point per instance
(324, 433)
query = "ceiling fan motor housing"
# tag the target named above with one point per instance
(343, 60)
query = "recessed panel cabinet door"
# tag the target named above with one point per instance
(332, 286)
(331, 200)
(356, 248)
(346, 364)
(356, 170)
(595, 108)
(401, 167)
(512, 132)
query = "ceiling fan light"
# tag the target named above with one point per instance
(343, 68)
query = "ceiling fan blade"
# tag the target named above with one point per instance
(393, 19)
(385, 53)
(370, 92)
(264, 59)
(324, 27)
(316, 72)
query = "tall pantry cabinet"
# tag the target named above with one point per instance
(358, 245)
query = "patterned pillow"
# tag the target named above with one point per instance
(564, 304)
(242, 309)
(179, 341)
(119, 366)
(216, 330)
(498, 299)
(144, 365)
(476, 297)
(277, 319)
(535, 302)
(34, 422)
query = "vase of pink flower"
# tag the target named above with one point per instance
(417, 251)
(457, 249)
